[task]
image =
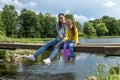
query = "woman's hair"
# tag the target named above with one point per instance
(60, 24)
(61, 14)
(72, 21)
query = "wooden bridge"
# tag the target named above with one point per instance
(109, 49)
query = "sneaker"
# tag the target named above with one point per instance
(47, 61)
(30, 57)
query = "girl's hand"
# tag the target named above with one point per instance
(75, 45)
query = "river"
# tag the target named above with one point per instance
(83, 65)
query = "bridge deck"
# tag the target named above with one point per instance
(104, 48)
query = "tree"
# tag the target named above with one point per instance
(69, 16)
(48, 29)
(78, 25)
(9, 17)
(41, 22)
(88, 29)
(2, 29)
(101, 29)
(111, 25)
(118, 25)
(29, 24)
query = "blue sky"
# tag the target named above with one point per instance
(83, 10)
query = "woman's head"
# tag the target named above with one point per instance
(61, 18)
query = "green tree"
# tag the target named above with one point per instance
(88, 29)
(69, 16)
(2, 29)
(49, 27)
(78, 25)
(41, 19)
(111, 25)
(9, 18)
(118, 25)
(28, 24)
(101, 29)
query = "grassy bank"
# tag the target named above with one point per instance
(41, 40)
(23, 40)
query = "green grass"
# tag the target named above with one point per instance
(112, 74)
(23, 40)
(40, 40)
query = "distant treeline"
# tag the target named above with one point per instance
(31, 25)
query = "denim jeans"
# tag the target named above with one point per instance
(70, 46)
(48, 44)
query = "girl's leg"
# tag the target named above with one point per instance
(44, 47)
(71, 48)
(56, 49)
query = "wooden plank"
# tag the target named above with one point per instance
(105, 48)
(112, 50)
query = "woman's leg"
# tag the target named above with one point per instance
(44, 47)
(71, 48)
(56, 49)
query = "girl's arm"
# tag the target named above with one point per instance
(76, 37)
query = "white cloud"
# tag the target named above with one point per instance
(51, 2)
(16, 2)
(33, 4)
(67, 11)
(109, 4)
(82, 18)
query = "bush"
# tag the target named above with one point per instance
(3, 54)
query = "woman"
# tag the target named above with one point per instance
(71, 37)
(61, 30)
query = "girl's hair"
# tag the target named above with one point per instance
(60, 24)
(72, 21)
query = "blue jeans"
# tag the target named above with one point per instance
(47, 45)
(70, 46)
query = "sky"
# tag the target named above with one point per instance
(82, 10)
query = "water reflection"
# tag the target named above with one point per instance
(45, 76)
(84, 64)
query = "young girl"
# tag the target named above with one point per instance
(71, 37)
(61, 30)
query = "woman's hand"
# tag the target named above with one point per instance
(64, 39)
(60, 36)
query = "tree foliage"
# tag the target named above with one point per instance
(2, 29)
(106, 26)
(9, 18)
(31, 25)
(89, 30)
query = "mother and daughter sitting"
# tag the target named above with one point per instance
(67, 35)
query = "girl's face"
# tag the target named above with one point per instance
(69, 24)
(61, 19)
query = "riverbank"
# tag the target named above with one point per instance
(23, 40)
(41, 40)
